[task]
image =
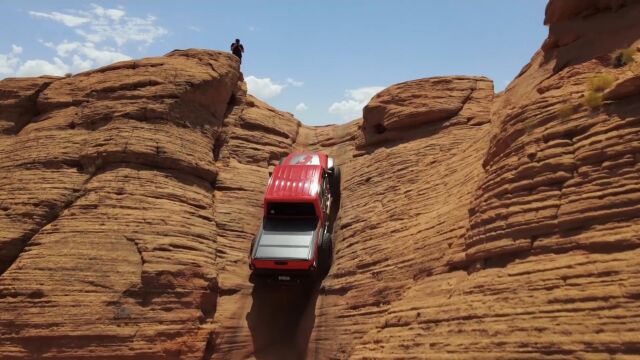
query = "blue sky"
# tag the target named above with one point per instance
(320, 60)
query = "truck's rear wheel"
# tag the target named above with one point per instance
(257, 280)
(335, 182)
(326, 254)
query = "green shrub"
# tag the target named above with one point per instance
(565, 111)
(529, 125)
(593, 99)
(600, 82)
(626, 56)
(596, 85)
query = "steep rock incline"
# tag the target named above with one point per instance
(419, 102)
(552, 244)
(18, 102)
(107, 222)
(255, 140)
(460, 241)
(395, 193)
(557, 168)
(144, 191)
(470, 226)
(403, 214)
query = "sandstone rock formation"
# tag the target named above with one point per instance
(471, 225)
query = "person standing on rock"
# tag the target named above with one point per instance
(237, 49)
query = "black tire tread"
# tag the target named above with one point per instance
(335, 182)
(326, 253)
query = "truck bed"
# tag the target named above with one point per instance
(285, 239)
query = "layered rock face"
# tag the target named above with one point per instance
(548, 260)
(413, 104)
(470, 226)
(107, 224)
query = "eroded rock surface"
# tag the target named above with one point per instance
(470, 225)
(107, 225)
(412, 104)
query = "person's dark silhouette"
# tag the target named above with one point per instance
(237, 49)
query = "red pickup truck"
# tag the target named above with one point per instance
(294, 240)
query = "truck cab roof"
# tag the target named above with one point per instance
(292, 183)
(297, 178)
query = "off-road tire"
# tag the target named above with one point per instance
(335, 182)
(258, 280)
(326, 254)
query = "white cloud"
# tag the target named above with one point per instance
(102, 24)
(65, 48)
(294, 83)
(355, 100)
(85, 55)
(9, 62)
(266, 88)
(130, 30)
(93, 28)
(263, 88)
(100, 57)
(113, 14)
(67, 19)
(194, 28)
(301, 107)
(15, 49)
(42, 67)
(79, 64)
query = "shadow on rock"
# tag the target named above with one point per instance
(282, 316)
(281, 319)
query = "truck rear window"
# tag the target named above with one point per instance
(278, 226)
(291, 209)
